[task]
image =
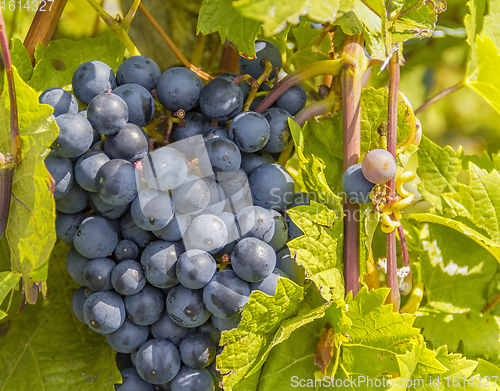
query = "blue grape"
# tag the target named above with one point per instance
(217, 198)
(193, 124)
(91, 79)
(250, 161)
(226, 294)
(206, 232)
(253, 260)
(263, 50)
(256, 222)
(179, 88)
(250, 131)
(159, 263)
(289, 266)
(75, 201)
(139, 70)
(268, 285)
(175, 229)
(356, 187)
(75, 263)
(104, 312)
(209, 329)
(190, 379)
(75, 135)
(281, 136)
(125, 250)
(157, 361)
(165, 168)
(67, 225)
(95, 238)
(212, 132)
(116, 182)
(225, 324)
(140, 103)
(131, 231)
(88, 292)
(229, 220)
(192, 196)
(224, 158)
(195, 268)
(145, 307)
(104, 209)
(280, 236)
(132, 382)
(86, 168)
(221, 99)
(128, 278)
(272, 186)
(97, 274)
(130, 143)
(256, 103)
(128, 337)
(166, 328)
(236, 187)
(61, 170)
(197, 350)
(77, 303)
(152, 209)
(62, 101)
(293, 99)
(244, 85)
(185, 307)
(107, 113)
(379, 166)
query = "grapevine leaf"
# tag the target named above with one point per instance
(418, 20)
(21, 60)
(306, 37)
(239, 31)
(320, 248)
(47, 348)
(8, 281)
(485, 368)
(474, 25)
(30, 229)
(106, 48)
(247, 347)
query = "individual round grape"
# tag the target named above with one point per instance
(129, 143)
(281, 136)
(206, 232)
(77, 303)
(138, 70)
(217, 200)
(250, 161)
(107, 113)
(104, 209)
(104, 312)
(356, 187)
(116, 182)
(280, 236)
(190, 379)
(179, 88)
(157, 361)
(379, 166)
(224, 158)
(91, 79)
(254, 67)
(272, 186)
(140, 103)
(226, 294)
(256, 222)
(128, 278)
(193, 124)
(62, 101)
(165, 168)
(75, 263)
(195, 269)
(166, 328)
(95, 238)
(289, 266)
(131, 231)
(67, 225)
(268, 285)
(250, 131)
(175, 229)
(293, 99)
(125, 250)
(245, 87)
(145, 307)
(209, 329)
(185, 307)
(192, 196)
(221, 99)
(75, 135)
(197, 350)
(253, 260)
(128, 337)
(75, 201)
(132, 382)
(152, 209)
(97, 274)
(61, 170)
(159, 262)
(237, 186)
(225, 324)
(86, 168)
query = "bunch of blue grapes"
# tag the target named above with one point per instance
(170, 239)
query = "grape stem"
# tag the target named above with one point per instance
(255, 86)
(392, 133)
(131, 13)
(173, 47)
(440, 95)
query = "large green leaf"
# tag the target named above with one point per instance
(47, 348)
(237, 30)
(21, 60)
(305, 37)
(418, 20)
(30, 229)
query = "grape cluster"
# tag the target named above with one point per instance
(169, 242)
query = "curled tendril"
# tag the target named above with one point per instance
(403, 146)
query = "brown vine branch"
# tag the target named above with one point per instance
(440, 95)
(492, 304)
